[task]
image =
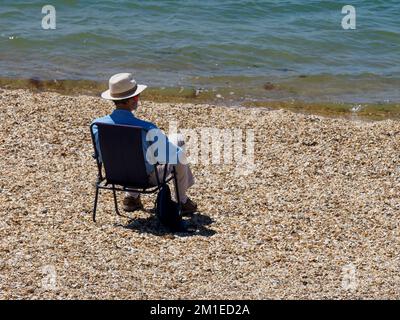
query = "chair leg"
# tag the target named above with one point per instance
(115, 201)
(96, 197)
(176, 189)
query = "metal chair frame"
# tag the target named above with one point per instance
(102, 181)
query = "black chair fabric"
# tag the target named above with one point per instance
(122, 155)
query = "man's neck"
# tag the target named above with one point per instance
(124, 108)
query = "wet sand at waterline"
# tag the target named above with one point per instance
(317, 218)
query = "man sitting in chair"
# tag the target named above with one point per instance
(124, 92)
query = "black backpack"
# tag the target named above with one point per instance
(167, 210)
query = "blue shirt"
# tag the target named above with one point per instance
(125, 117)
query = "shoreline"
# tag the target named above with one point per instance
(323, 198)
(220, 97)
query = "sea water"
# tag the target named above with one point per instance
(267, 50)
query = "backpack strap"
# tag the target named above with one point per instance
(162, 182)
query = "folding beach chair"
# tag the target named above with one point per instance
(122, 159)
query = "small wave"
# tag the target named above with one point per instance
(92, 38)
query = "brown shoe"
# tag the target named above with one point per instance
(188, 207)
(131, 203)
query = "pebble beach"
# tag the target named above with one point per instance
(321, 207)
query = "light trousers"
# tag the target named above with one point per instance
(184, 175)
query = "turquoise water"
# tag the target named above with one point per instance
(298, 46)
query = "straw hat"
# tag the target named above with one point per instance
(122, 86)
